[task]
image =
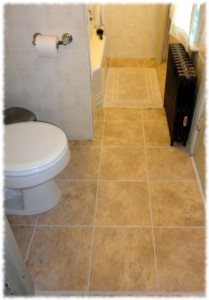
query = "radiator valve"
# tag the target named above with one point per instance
(185, 121)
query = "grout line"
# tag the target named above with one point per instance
(129, 180)
(26, 257)
(119, 226)
(92, 243)
(150, 205)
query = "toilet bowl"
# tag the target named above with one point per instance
(35, 152)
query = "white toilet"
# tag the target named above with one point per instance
(34, 153)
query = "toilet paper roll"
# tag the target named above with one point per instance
(46, 46)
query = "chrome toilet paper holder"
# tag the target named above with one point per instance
(66, 39)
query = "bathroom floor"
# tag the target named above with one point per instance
(131, 220)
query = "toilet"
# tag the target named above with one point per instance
(34, 153)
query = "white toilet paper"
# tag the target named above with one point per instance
(46, 46)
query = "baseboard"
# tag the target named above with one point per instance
(198, 180)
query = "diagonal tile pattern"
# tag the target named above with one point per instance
(131, 218)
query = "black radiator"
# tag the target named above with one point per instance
(179, 99)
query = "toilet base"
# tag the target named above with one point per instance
(33, 200)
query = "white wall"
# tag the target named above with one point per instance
(196, 139)
(56, 90)
(131, 30)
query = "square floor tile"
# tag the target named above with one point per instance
(123, 203)
(59, 258)
(123, 260)
(123, 133)
(180, 259)
(76, 206)
(156, 134)
(84, 164)
(176, 204)
(169, 163)
(23, 236)
(119, 114)
(123, 163)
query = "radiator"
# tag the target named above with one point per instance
(179, 98)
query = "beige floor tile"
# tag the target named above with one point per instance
(22, 220)
(123, 163)
(123, 203)
(169, 163)
(84, 164)
(76, 206)
(59, 258)
(118, 114)
(23, 236)
(123, 133)
(156, 134)
(100, 114)
(154, 115)
(124, 62)
(176, 204)
(180, 259)
(97, 141)
(123, 260)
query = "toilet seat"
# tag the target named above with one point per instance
(31, 147)
(34, 152)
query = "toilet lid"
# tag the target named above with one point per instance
(32, 145)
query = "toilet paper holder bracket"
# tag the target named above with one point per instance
(66, 39)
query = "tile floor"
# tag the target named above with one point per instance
(131, 219)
